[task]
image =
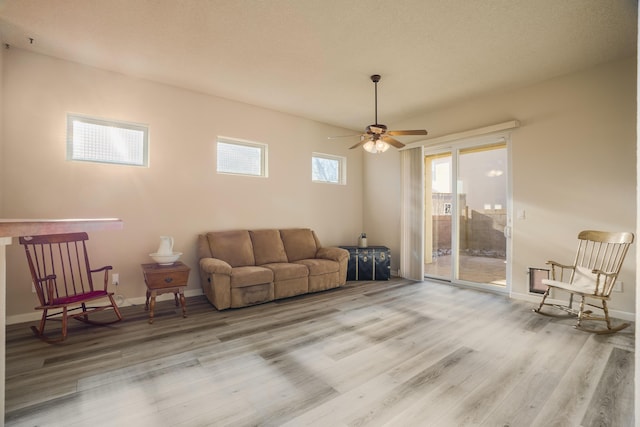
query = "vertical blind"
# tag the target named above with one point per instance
(412, 214)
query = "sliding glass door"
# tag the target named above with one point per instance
(466, 214)
(439, 215)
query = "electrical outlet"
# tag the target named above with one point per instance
(617, 286)
(115, 279)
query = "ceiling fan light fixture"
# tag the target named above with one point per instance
(375, 147)
(370, 147)
(381, 146)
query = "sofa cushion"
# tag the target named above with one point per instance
(267, 246)
(234, 247)
(291, 287)
(204, 251)
(318, 266)
(250, 276)
(324, 282)
(286, 271)
(299, 243)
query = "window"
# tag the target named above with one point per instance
(107, 141)
(328, 168)
(241, 157)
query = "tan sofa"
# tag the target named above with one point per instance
(245, 267)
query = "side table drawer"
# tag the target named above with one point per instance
(166, 277)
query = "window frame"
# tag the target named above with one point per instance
(120, 124)
(264, 155)
(342, 168)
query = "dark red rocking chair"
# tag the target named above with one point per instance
(63, 280)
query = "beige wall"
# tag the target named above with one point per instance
(573, 166)
(180, 194)
(2, 50)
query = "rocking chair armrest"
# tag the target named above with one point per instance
(557, 264)
(46, 287)
(106, 267)
(106, 270)
(561, 267)
(602, 273)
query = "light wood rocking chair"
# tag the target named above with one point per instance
(63, 281)
(591, 277)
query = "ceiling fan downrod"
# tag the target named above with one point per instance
(375, 79)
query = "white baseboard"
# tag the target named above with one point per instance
(623, 315)
(162, 297)
(22, 318)
(34, 316)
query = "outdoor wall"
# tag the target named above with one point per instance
(482, 233)
(573, 166)
(179, 194)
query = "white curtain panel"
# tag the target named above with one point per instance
(412, 214)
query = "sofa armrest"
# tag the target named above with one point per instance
(333, 253)
(339, 255)
(215, 266)
(215, 278)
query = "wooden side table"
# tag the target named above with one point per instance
(162, 279)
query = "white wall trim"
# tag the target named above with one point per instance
(458, 136)
(623, 315)
(34, 316)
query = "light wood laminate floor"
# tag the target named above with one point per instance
(394, 353)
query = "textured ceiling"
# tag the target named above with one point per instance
(313, 58)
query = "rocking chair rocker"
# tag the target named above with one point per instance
(63, 281)
(591, 277)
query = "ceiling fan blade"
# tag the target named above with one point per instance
(343, 136)
(407, 132)
(392, 141)
(362, 141)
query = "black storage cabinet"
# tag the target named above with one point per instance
(370, 263)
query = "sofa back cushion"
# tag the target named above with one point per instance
(234, 247)
(204, 251)
(299, 243)
(267, 246)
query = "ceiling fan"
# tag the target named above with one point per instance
(377, 138)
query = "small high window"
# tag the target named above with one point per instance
(328, 168)
(91, 139)
(241, 157)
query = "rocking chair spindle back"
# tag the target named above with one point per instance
(63, 279)
(590, 278)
